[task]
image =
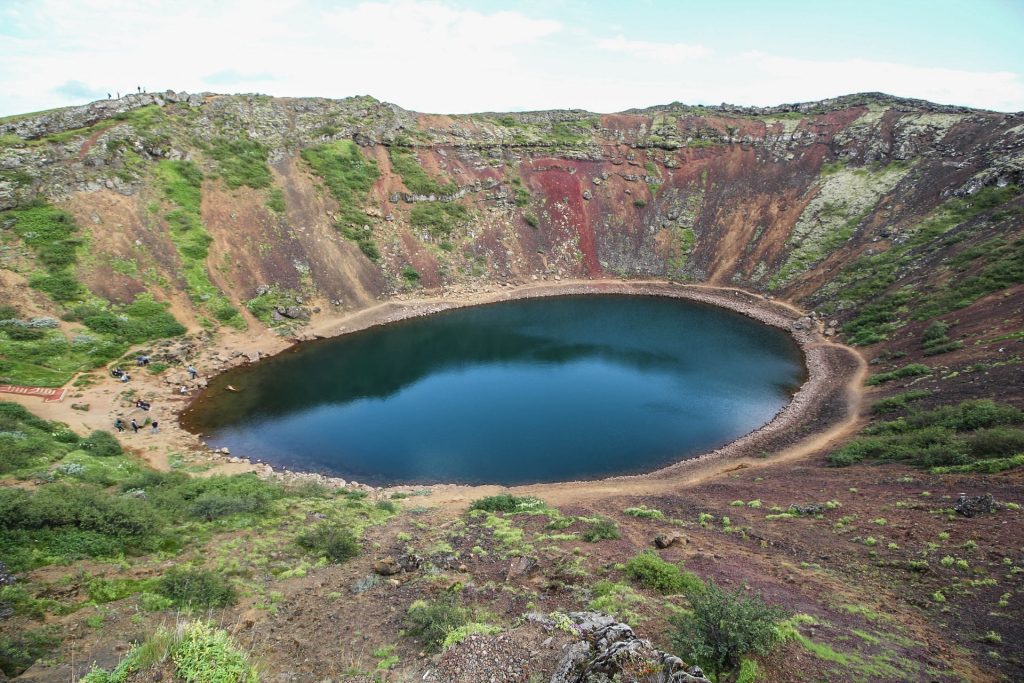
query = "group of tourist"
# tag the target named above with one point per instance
(154, 427)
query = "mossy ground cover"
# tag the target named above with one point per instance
(969, 436)
(181, 183)
(201, 543)
(405, 163)
(348, 176)
(975, 272)
(36, 355)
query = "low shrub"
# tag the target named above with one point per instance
(910, 370)
(336, 543)
(196, 588)
(650, 571)
(101, 443)
(601, 529)
(723, 627)
(432, 620)
(505, 502)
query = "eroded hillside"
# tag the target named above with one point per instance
(896, 225)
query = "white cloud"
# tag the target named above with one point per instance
(665, 53)
(420, 54)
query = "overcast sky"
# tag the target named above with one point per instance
(455, 56)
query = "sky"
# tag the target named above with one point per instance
(458, 56)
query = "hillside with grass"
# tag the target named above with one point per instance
(198, 226)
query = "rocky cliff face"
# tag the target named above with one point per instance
(784, 200)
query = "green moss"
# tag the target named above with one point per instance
(909, 370)
(348, 176)
(403, 160)
(181, 182)
(275, 201)
(241, 161)
(438, 218)
(967, 434)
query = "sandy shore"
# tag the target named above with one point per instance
(823, 410)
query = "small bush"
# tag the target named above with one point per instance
(432, 620)
(101, 443)
(192, 588)
(911, 370)
(19, 651)
(336, 543)
(724, 627)
(644, 512)
(208, 655)
(601, 529)
(650, 571)
(504, 502)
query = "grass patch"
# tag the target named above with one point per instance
(181, 182)
(910, 370)
(963, 435)
(405, 163)
(348, 176)
(439, 219)
(650, 571)
(241, 161)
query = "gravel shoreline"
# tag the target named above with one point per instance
(824, 399)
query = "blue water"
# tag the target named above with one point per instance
(535, 390)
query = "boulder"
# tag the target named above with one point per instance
(662, 541)
(521, 568)
(970, 506)
(387, 566)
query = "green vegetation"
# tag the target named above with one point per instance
(644, 512)
(910, 370)
(275, 201)
(438, 218)
(601, 529)
(336, 543)
(410, 275)
(348, 176)
(897, 402)
(650, 571)
(507, 503)
(971, 434)
(618, 599)
(935, 339)
(19, 651)
(196, 588)
(181, 182)
(724, 627)
(263, 305)
(433, 620)
(871, 275)
(405, 163)
(200, 652)
(241, 161)
(52, 235)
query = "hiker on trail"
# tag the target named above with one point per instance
(155, 429)
(119, 425)
(135, 426)
(125, 377)
(192, 372)
(108, 96)
(139, 88)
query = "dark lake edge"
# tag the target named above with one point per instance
(732, 301)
